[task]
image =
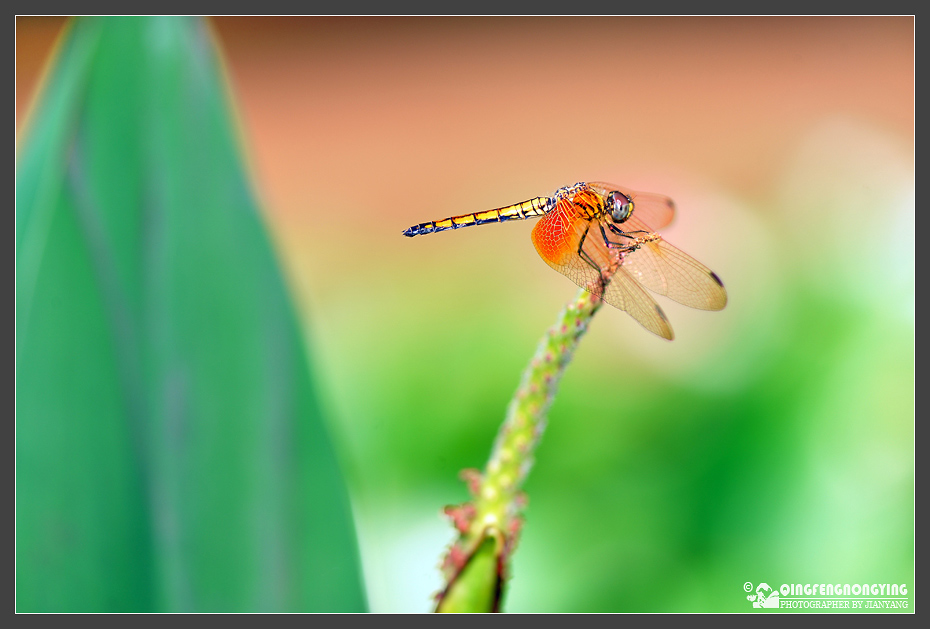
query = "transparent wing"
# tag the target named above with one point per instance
(669, 271)
(657, 265)
(557, 238)
(651, 211)
(625, 293)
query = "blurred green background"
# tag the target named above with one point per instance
(770, 442)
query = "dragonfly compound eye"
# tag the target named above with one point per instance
(620, 206)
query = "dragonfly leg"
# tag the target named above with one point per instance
(622, 233)
(584, 254)
(617, 245)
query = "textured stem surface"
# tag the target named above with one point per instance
(476, 564)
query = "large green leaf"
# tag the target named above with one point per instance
(171, 455)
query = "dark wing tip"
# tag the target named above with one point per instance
(666, 332)
(661, 313)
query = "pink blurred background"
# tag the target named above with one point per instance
(410, 111)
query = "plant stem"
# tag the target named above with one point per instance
(474, 580)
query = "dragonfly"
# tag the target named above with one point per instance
(604, 237)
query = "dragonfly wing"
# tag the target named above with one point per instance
(559, 241)
(652, 211)
(625, 293)
(669, 271)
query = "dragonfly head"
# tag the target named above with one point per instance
(619, 205)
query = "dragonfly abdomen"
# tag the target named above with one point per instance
(533, 208)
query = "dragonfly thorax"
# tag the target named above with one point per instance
(567, 192)
(584, 200)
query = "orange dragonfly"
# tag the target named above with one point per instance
(604, 238)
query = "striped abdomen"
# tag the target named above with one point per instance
(533, 208)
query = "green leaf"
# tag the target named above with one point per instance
(171, 453)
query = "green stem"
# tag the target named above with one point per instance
(475, 568)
